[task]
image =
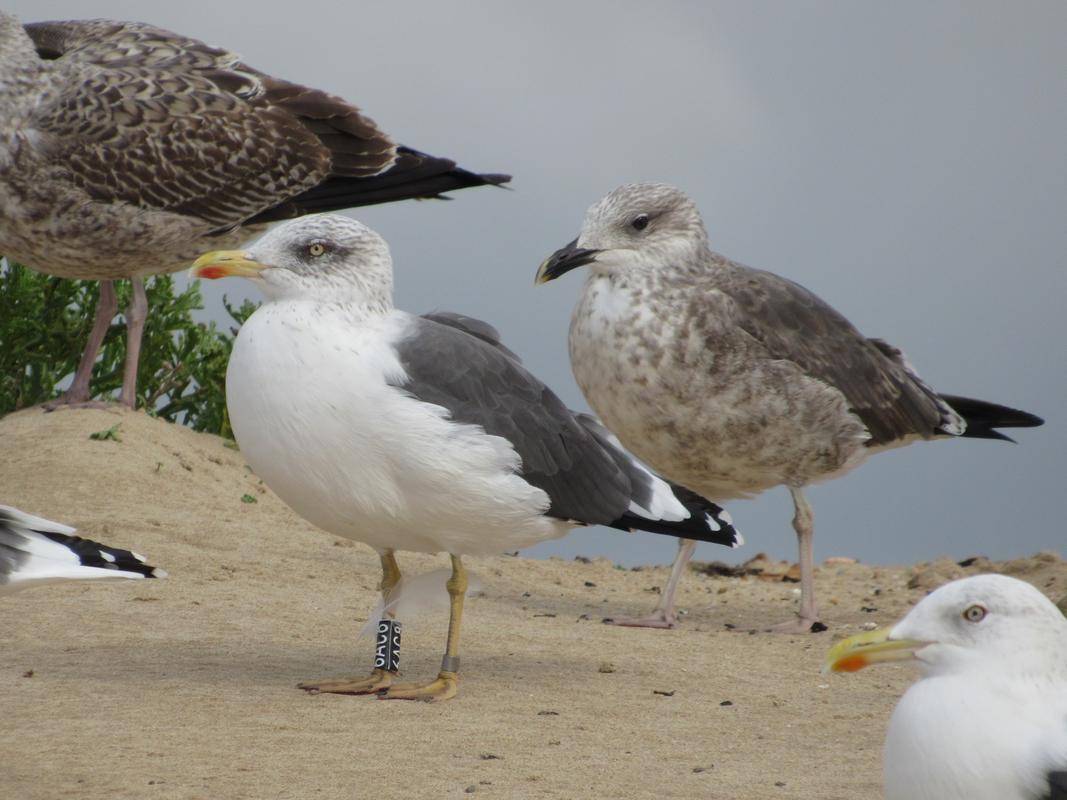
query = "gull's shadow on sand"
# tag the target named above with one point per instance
(260, 663)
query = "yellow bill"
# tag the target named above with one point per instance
(872, 647)
(226, 264)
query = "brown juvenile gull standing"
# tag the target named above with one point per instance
(415, 433)
(730, 380)
(126, 150)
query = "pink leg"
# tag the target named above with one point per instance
(106, 306)
(664, 615)
(135, 317)
(804, 524)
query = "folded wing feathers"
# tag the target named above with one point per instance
(659, 506)
(190, 129)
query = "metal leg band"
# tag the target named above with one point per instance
(450, 664)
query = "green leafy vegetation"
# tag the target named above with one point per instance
(44, 322)
(110, 434)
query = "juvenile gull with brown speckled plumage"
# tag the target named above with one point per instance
(731, 380)
(126, 150)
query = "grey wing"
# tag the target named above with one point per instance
(793, 324)
(642, 480)
(480, 384)
(475, 327)
(141, 115)
(1057, 786)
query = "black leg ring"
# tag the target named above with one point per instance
(387, 646)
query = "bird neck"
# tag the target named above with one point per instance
(365, 293)
(355, 307)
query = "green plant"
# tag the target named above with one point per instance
(44, 322)
(109, 435)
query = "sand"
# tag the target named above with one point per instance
(184, 687)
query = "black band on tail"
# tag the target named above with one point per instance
(387, 646)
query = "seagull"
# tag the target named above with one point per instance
(126, 150)
(730, 380)
(35, 551)
(988, 718)
(420, 433)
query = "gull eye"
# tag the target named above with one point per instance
(975, 613)
(640, 222)
(316, 249)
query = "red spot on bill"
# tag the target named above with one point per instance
(852, 663)
(212, 272)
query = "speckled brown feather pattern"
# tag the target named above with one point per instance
(736, 378)
(729, 420)
(731, 380)
(792, 323)
(131, 149)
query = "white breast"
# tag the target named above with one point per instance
(610, 362)
(951, 738)
(314, 406)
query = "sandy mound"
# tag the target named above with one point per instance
(184, 688)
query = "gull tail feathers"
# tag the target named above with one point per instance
(415, 595)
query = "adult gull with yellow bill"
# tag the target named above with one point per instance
(987, 720)
(416, 433)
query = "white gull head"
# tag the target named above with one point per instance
(327, 258)
(988, 719)
(637, 227)
(987, 624)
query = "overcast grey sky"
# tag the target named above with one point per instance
(904, 160)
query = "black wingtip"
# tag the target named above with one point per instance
(495, 179)
(983, 418)
(707, 522)
(101, 556)
(414, 176)
(978, 432)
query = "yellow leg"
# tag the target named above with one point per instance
(445, 686)
(379, 679)
(390, 575)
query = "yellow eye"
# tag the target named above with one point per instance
(975, 613)
(316, 249)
